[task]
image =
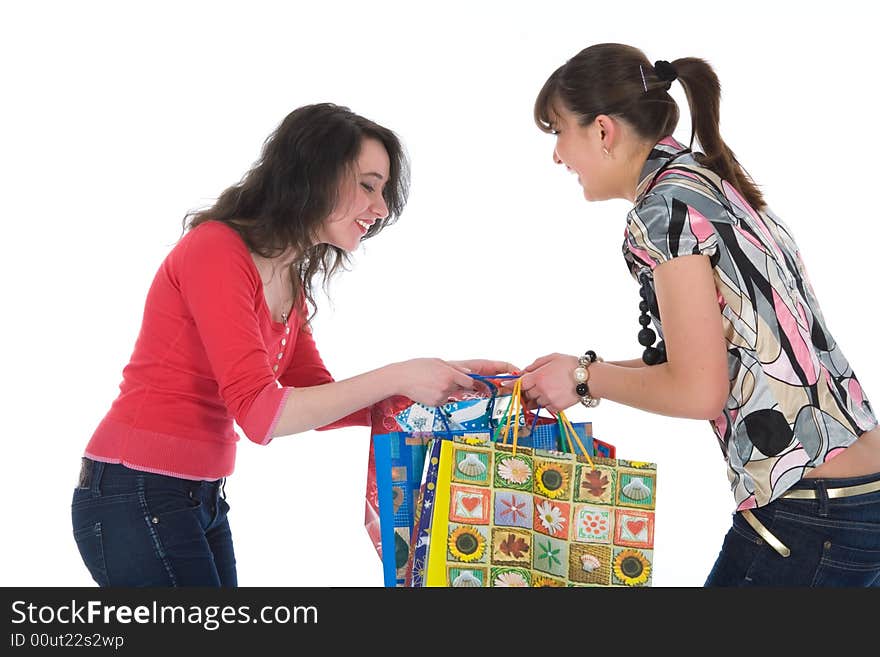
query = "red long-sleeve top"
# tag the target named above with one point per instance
(208, 356)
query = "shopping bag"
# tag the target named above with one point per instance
(506, 515)
(414, 575)
(399, 442)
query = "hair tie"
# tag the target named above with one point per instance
(665, 72)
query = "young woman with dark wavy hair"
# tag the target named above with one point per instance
(225, 340)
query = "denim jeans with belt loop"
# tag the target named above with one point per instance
(136, 528)
(833, 541)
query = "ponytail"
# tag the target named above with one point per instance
(703, 91)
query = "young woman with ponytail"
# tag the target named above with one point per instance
(743, 342)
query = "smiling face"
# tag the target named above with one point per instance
(360, 199)
(580, 149)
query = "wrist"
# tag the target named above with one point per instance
(391, 380)
(582, 376)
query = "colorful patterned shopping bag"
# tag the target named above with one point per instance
(505, 515)
(397, 460)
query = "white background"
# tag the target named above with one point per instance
(116, 120)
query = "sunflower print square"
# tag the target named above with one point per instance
(636, 488)
(511, 547)
(634, 528)
(552, 478)
(544, 581)
(469, 504)
(551, 517)
(513, 509)
(595, 484)
(467, 543)
(550, 555)
(457, 577)
(510, 577)
(631, 566)
(589, 564)
(593, 524)
(472, 466)
(514, 472)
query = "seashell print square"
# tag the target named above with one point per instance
(589, 564)
(636, 488)
(472, 466)
(466, 577)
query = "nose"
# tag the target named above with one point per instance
(379, 207)
(556, 158)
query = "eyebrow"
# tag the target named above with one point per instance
(374, 174)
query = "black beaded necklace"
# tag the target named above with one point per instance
(653, 355)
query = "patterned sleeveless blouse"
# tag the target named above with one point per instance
(794, 400)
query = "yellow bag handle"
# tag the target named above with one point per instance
(571, 433)
(513, 409)
(566, 428)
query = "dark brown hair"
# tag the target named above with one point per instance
(283, 199)
(618, 80)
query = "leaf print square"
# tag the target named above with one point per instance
(551, 517)
(511, 547)
(550, 555)
(513, 509)
(472, 466)
(595, 484)
(590, 564)
(593, 524)
(513, 471)
(636, 488)
(634, 528)
(471, 505)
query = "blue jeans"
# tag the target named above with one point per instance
(833, 542)
(135, 528)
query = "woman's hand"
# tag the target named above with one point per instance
(486, 367)
(549, 382)
(431, 381)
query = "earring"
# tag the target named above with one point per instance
(606, 151)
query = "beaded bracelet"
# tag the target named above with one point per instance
(582, 377)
